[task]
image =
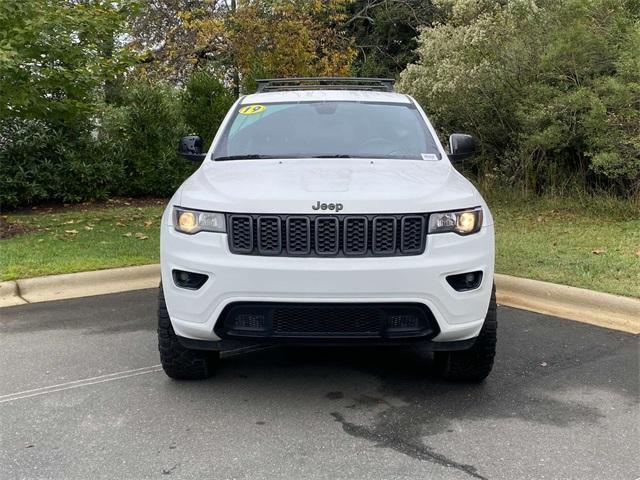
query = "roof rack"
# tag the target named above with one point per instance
(324, 83)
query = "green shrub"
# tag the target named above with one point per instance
(40, 163)
(145, 134)
(205, 102)
(126, 150)
(23, 145)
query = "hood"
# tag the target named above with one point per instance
(297, 185)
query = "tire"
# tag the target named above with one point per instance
(474, 364)
(179, 362)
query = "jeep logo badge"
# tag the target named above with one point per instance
(327, 206)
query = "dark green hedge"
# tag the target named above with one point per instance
(124, 149)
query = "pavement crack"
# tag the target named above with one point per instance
(419, 452)
(169, 471)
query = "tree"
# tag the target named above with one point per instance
(254, 38)
(161, 37)
(552, 88)
(55, 55)
(146, 129)
(385, 34)
(59, 61)
(205, 102)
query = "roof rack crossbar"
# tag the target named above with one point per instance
(324, 83)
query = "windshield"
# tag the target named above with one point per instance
(326, 130)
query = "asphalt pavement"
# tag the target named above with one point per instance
(82, 397)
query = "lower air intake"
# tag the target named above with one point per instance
(321, 320)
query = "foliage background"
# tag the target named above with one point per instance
(551, 89)
(94, 94)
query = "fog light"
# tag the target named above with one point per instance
(401, 322)
(465, 281)
(405, 321)
(188, 280)
(249, 321)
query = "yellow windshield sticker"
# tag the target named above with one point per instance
(251, 109)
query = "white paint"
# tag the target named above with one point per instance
(325, 96)
(79, 383)
(361, 186)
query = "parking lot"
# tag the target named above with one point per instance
(82, 396)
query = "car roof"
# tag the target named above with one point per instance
(325, 96)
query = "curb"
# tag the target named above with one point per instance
(9, 294)
(579, 304)
(74, 285)
(587, 306)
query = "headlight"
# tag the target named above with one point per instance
(194, 221)
(462, 222)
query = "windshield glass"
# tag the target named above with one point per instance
(326, 130)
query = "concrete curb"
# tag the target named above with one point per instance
(579, 304)
(602, 309)
(74, 285)
(9, 294)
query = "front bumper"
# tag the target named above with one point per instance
(413, 279)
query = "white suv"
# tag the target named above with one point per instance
(326, 211)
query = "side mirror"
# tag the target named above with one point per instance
(190, 147)
(461, 146)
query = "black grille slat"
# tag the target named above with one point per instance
(298, 234)
(327, 235)
(384, 235)
(355, 235)
(412, 234)
(269, 235)
(241, 234)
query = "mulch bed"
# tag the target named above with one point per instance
(11, 229)
(84, 206)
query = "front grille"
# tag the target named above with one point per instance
(323, 235)
(325, 320)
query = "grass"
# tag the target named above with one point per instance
(590, 242)
(86, 237)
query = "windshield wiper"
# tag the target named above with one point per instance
(250, 156)
(257, 156)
